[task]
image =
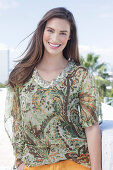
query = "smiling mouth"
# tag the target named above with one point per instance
(54, 45)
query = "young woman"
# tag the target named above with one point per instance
(52, 103)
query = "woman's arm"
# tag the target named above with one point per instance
(21, 167)
(94, 145)
(13, 124)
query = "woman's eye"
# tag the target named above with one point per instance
(50, 30)
(63, 33)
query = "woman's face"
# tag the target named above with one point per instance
(56, 36)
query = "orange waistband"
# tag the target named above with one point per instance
(63, 165)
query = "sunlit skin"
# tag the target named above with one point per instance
(56, 36)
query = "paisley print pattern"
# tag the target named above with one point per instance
(48, 119)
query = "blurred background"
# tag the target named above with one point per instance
(19, 18)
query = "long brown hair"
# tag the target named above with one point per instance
(35, 49)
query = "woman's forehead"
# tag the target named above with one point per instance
(60, 23)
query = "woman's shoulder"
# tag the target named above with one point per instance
(79, 69)
(14, 90)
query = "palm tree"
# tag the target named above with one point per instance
(98, 70)
(91, 62)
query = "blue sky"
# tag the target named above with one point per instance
(94, 19)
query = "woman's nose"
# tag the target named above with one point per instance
(55, 37)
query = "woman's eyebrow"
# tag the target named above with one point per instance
(63, 31)
(54, 29)
(49, 28)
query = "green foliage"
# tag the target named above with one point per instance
(110, 93)
(2, 85)
(100, 71)
(102, 84)
(91, 62)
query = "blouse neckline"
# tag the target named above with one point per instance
(53, 82)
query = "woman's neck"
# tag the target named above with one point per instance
(52, 62)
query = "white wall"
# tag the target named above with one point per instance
(4, 66)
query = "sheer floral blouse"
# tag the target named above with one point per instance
(45, 120)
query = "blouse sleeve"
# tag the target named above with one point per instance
(13, 123)
(90, 108)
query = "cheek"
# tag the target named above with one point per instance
(64, 40)
(45, 36)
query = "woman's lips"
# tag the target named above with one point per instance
(54, 45)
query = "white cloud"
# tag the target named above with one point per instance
(106, 54)
(84, 49)
(3, 46)
(12, 50)
(6, 4)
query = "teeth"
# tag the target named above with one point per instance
(53, 45)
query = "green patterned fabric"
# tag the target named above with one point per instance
(48, 119)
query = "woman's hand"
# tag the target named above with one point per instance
(21, 167)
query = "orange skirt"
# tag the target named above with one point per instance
(63, 165)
